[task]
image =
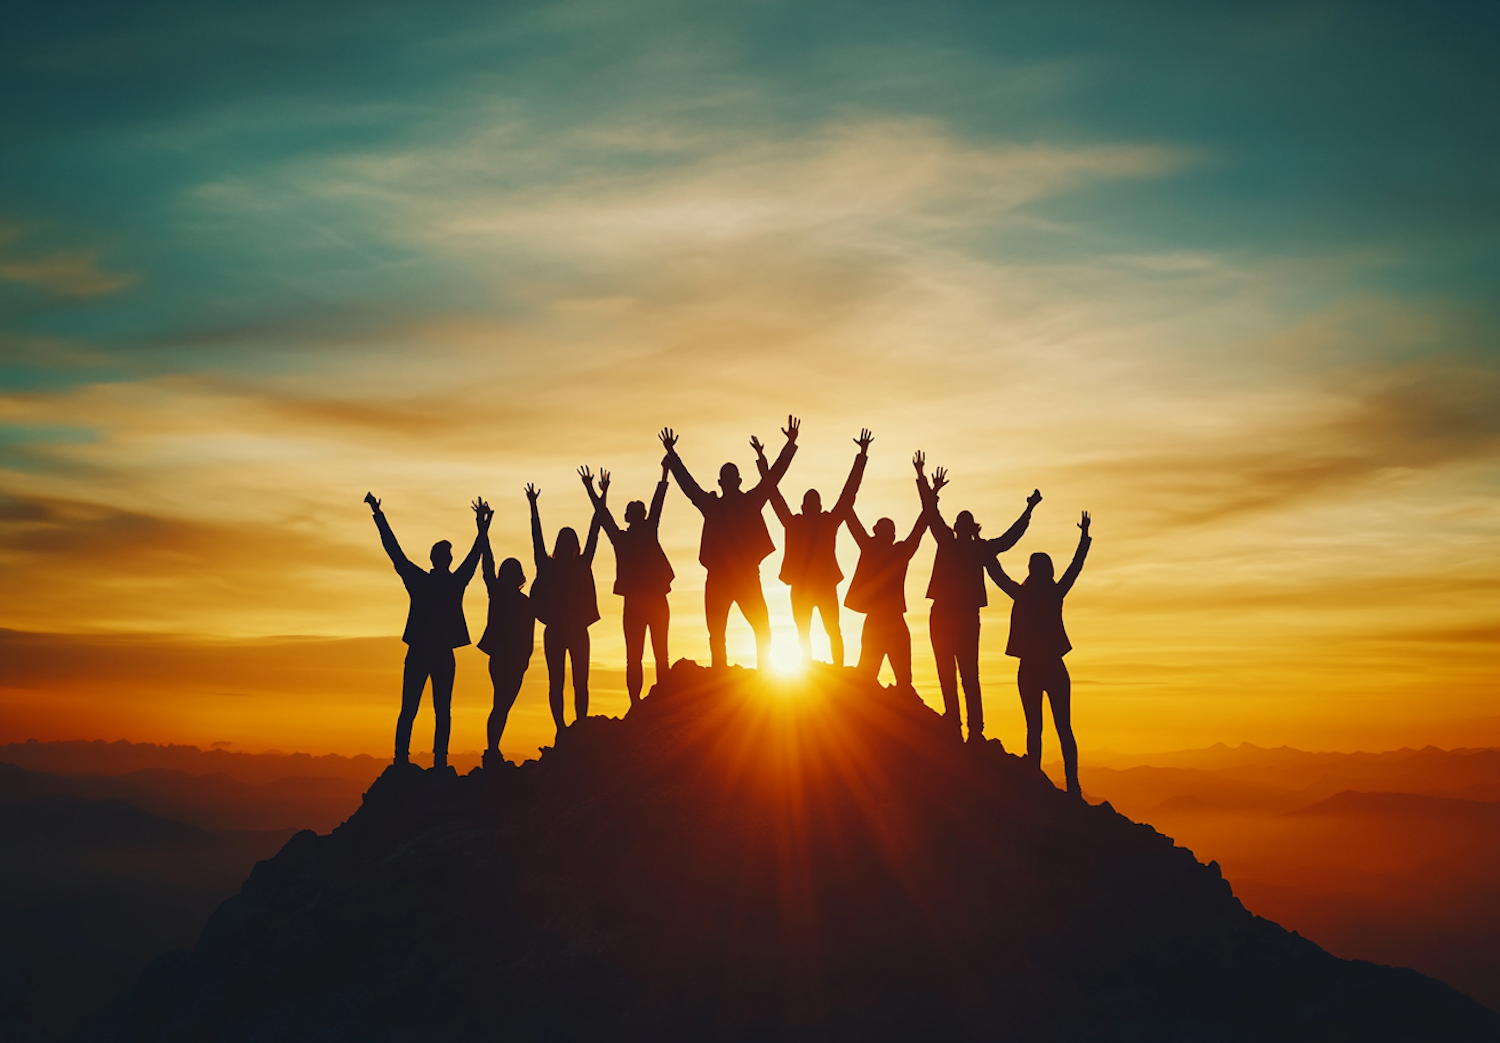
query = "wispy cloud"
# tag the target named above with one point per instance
(73, 274)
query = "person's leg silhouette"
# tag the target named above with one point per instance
(443, 670)
(659, 620)
(968, 670)
(506, 679)
(718, 595)
(413, 679)
(578, 654)
(802, 610)
(637, 618)
(555, 649)
(945, 647)
(1031, 680)
(898, 648)
(826, 601)
(752, 602)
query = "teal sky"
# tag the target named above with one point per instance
(1225, 274)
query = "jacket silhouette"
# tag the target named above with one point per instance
(1038, 639)
(957, 593)
(809, 563)
(735, 541)
(509, 639)
(563, 598)
(878, 590)
(435, 626)
(643, 576)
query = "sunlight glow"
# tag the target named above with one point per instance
(786, 659)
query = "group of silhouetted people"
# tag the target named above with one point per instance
(735, 541)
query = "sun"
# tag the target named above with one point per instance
(786, 659)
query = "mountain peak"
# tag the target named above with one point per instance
(738, 859)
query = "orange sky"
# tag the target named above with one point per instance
(1098, 269)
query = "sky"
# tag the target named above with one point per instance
(1223, 275)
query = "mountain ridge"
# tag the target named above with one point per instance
(738, 859)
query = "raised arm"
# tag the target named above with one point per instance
(538, 544)
(592, 543)
(778, 502)
(659, 498)
(1007, 539)
(387, 537)
(928, 495)
(1002, 578)
(856, 528)
(482, 516)
(487, 561)
(691, 489)
(601, 508)
(856, 474)
(1071, 575)
(772, 478)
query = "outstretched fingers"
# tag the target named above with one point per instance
(1084, 523)
(793, 425)
(532, 492)
(603, 481)
(668, 438)
(939, 479)
(864, 439)
(919, 460)
(586, 475)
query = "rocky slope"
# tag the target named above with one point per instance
(739, 860)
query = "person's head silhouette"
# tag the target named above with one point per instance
(885, 532)
(442, 556)
(965, 527)
(812, 503)
(729, 478)
(635, 511)
(566, 545)
(1041, 568)
(510, 573)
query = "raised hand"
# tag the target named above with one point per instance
(374, 503)
(793, 425)
(668, 439)
(587, 476)
(532, 492)
(1084, 524)
(482, 514)
(939, 479)
(758, 446)
(1035, 498)
(603, 481)
(919, 461)
(864, 440)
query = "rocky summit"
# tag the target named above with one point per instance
(748, 859)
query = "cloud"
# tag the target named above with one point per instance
(74, 274)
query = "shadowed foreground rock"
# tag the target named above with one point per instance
(738, 861)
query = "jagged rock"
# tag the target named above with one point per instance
(739, 860)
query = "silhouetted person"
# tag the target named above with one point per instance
(809, 561)
(434, 627)
(509, 639)
(735, 542)
(643, 576)
(1038, 639)
(563, 598)
(878, 589)
(957, 593)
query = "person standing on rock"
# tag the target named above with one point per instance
(643, 576)
(878, 589)
(809, 561)
(509, 639)
(957, 593)
(434, 627)
(1038, 640)
(735, 542)
(563, 598)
